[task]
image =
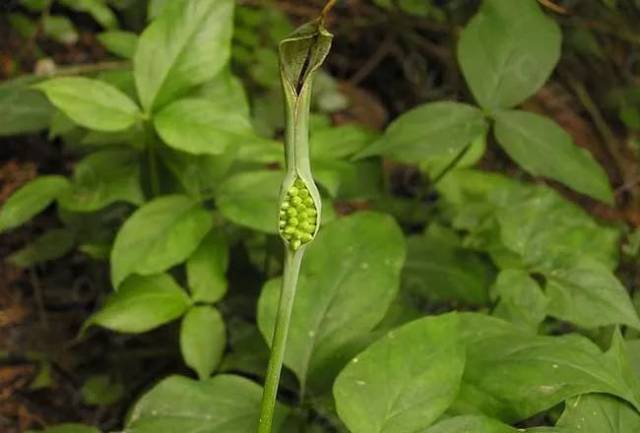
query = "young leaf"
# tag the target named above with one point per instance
(521, 300)
(96, 8)
(543, 148)
(366, 250)
(201, 126)
(120, 43)
(251, 199)
(502, 63)
(60, 29)
(599, 413)
(91, 103)
(23, 109)
(103, 178)
(202, 340)
(206, 268)
(431, 130)
(31, 199)
(187, 45)
(512, 374)
(403, 382)
(588, 294)
(141, 304)
(223, 403)
(49, 246)
(161, 234)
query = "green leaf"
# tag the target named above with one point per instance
(439, 269)
(521, 300)
(201, 126)
(502, 63)
(224, 403)
(91, 103)
(68, 428)
(431, 130)
(23, 109)
(543, 148)
(101, 390)
(206, 268)
(96, 8)
(555, 231)
(349, 277)
(122, 44)
(49, 246)
(31, 199)
(60, 29)
(187, 45)
(103, 178)
(599, 413)
(251, 199)
(512, 374)
(225, 90)
(349, 180)
(588, 294)
(142, 304)
(162, 233)
(339, 142)
(471, 424)
(202, 340)
(404, 381)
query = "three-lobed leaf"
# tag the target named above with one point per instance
(348, 280)
(91, 103)
(162, 233)
(403, 382)
(187, 45)
(142, 304)
(500, 60)
(543, 148)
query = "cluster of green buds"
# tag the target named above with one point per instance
(298, 215)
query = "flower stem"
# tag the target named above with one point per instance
(292, 263)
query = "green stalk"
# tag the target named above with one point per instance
(301, 54)
(287, 295)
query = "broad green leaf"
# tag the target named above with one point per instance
(437, 165)
(225, 90)
(588, 294)
(187, 45)
(142, 304)
(60, 29)
(23, 109)
(512, 374)
(202, 340)
(349, 277)
(502, 63)
(122, 44)
(543, 148)
(251, 199)
(599, 413)
(91, 103)
(31, 199)
(431, 130)
(339, 142)
(162, 233)
(349, 180)
(471, 424)
(207, 268)
(555, 229)
(633, 350)
(404, 381)
(101, 390)
(103, 178)
(224, 403)
(201, 126)
(438, 268)
(521, 300)
(67, 428)
(52, 245)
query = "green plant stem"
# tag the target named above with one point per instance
(292, 263)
